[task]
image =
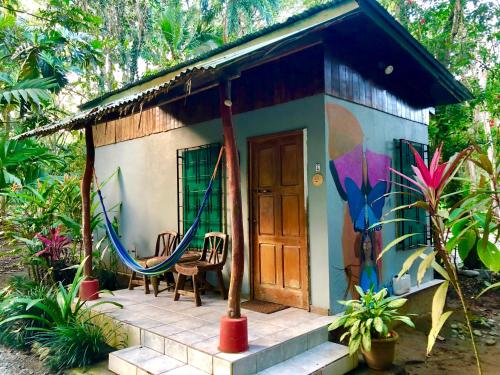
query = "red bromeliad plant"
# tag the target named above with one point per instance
(430, 183)
(55, 244)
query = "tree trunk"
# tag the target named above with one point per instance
(455, 23)
(234, 192)
(85, 191)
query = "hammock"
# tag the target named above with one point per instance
(176, 254)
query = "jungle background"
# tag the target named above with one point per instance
(58, 54)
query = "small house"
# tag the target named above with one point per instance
(323, 104)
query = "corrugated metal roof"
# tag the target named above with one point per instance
(216, 59)
(123, 104)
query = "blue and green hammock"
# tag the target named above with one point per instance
(177, 253)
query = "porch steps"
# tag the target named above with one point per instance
(325, 358)
(139, 360)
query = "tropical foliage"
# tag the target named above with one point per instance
(18, 333)
(60, 53)
(55, 244)
(53, 320)
(369, 317)
(463, 36)
(473, 221)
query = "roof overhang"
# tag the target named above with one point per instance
(449, 91)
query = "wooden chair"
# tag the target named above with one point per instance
(213, 258)
(165, 244)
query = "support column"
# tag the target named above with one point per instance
(234, 328)
(90, 287)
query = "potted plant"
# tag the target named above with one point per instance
(368, 322)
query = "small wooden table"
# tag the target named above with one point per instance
(188, 256)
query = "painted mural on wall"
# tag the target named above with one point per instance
(362, 179)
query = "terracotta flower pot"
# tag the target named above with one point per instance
(381, 356)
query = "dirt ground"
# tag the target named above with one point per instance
(15, 362)
(454, 355)
(10, 265)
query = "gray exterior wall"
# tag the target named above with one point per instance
(380, 129)
(147, 186)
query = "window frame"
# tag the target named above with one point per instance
(405, 158)
(181, 189)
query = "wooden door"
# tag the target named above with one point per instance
(279, 238)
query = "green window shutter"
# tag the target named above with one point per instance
(195, 167)
(404, 159)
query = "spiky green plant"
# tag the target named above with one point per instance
(17, 333)
(57, 324)
(64, 308)
(75, 344)
(452, 228)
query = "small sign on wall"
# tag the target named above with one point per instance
(317, 179)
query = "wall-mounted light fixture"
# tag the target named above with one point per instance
(388, 69)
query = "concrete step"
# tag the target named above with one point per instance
(139, 360)
(325, 359)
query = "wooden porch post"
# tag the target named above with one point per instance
(234, 330)
(89, 287)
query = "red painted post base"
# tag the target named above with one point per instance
(89, 290)
(233, 335)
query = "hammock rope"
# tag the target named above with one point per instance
(177, 253)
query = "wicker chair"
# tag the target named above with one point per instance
(213, 259)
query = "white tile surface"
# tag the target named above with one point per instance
(185, 370)
(187, 333)
(187, 337)
(200, 360)
(137, 355)
(166, 330)
(317, 337)
(120, 366)
(190, 323)
(176, 350)
(324, 356)
(210, 346)
(159, 365)
(153, 341)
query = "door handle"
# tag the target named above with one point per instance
(264, 191)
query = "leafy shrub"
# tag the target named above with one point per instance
(53, 320)
(369, 317)
(55, 244)
(18, 333)
(75, 344)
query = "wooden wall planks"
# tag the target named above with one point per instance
(151, 121)
(126, 128)
(346, 83)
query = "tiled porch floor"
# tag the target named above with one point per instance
(190, 334)
(184, 322)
